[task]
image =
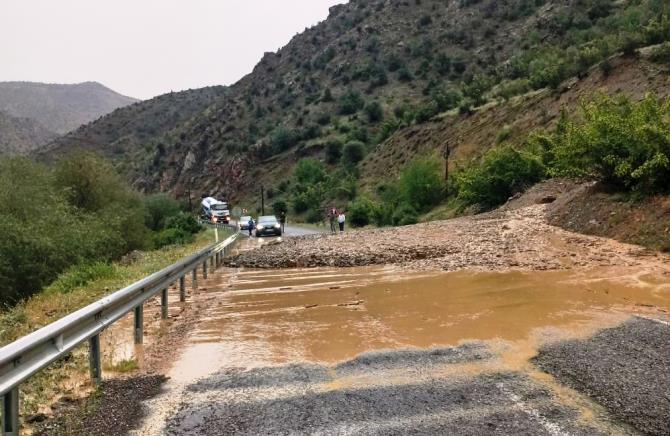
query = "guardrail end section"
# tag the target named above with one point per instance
(10, 413)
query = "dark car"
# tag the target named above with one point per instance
(268, 226)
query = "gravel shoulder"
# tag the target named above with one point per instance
(626, 369)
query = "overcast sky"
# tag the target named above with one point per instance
(143, 48)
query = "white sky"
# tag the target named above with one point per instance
(143, 48)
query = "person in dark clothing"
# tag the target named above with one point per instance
(282, 221)
(333, 219)
(252, 225)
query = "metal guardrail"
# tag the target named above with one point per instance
(28, 355)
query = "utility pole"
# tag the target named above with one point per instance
(263, 200)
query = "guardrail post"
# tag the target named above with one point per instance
(139, 324)
(195, 279)
(10, 413)
(164, 304)
(182, 288)
(204, 269)
(94, 359)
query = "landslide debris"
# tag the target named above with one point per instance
(516, 236)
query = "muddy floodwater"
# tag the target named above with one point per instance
(266, 317)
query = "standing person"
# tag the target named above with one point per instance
(251, 225)
(341, 219)
(333, 217)
(282, 221)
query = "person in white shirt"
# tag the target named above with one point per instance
(341, 219)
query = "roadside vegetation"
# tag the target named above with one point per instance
(619, 142)
(73, 290)
(74, 219)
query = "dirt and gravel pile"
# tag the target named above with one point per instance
(516, 236)
(390, 392)
(626, 369)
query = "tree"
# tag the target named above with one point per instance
(421, 183)
(333, 151)
(353, 152)
(351, 102)
(374, 112)
(159, 207)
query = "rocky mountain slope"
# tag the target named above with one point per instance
(375, 72)
(136, 136)
(20, 135)
(59, 108)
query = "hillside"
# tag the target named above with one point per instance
(376, 73)
(133, 136)
(19, 135)
(59, 108)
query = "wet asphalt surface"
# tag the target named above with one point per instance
(626, 369)
(395, 392)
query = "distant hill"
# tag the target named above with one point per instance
(20, 135)
(131, 135)
(59, 108)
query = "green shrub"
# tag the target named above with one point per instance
(79, 213)
(172, 236)
(333, 151)
(622, 143)
(282, 139)
(310, 171)
(661, 54)
(405, 215)
(159, 207)
(184, 222)
(422, 183)
(360, 212)
(502, 172)
(80, 275)
(351, 102)
(353, 152)
(374, 112)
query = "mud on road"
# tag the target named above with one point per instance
(517, 236)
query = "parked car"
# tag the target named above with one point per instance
(268, 226)
(244, 222)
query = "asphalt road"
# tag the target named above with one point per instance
(383, 393)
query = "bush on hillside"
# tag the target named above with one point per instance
(620, 142)
(159, 207)
(351, 102)
(661, 54)
(353, 152)
(333, 151)
(405, 215)
(502, 172)
(422, 183)
(361, 212)
(374, 112)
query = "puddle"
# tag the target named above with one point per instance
(259, 318)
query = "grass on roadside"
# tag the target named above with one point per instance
(74, 289)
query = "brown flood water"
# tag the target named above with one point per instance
(257, 318)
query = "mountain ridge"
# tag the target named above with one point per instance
(370, 71)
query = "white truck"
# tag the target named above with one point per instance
(213, 208)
